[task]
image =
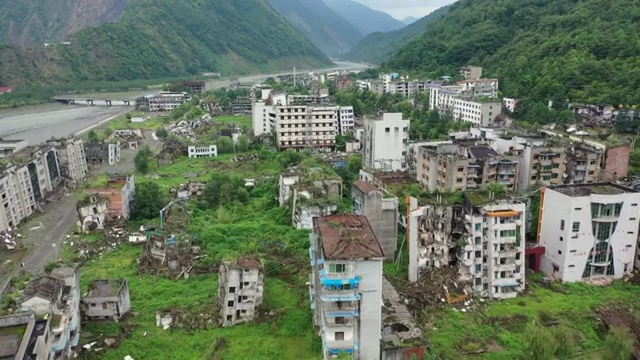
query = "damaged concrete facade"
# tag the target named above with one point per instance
(240, 290)
(103, 152)
(483, 238)
(25, 337)
(381, 210)
(461, 166)
(106, 300)
(71, 157)
(57, 296)
(311, 193)
(92, 213)
(346, 286)
(119, 191)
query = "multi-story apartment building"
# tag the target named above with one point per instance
(240, 290)
(260, 118)
(346, 286)
(381, 210)
(471, 72)
(346, 119)
(25, 336)
(309, 100)
(385, 142)
(510, 104)
(57, 295)
(480, 88)
(163, 101)
(483, 238)
(589, 231)
(18, 197)
(103, 152)
(303, 127)
(477, 113)
(71, 157)
(542, 165)
(442, 97)
(459, 166)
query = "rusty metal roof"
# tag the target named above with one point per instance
(347, 237)
(364, 186)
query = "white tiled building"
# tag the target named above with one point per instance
(345, 286)
(385, 142)
(477, 113)
(260, 118)
(589, 231)
(300, 127)
(163, 101)
(203, 151)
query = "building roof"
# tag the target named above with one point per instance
(364, 186)
(346, 237)
(394, 177)
(45, 287)
(12, 329)
(104, 288)
(248, 263)
(482, 152)
(5, 89)
(579, 190)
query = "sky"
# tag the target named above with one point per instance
(403, 8)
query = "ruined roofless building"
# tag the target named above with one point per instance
(240, 290)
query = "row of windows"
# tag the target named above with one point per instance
(395, 129)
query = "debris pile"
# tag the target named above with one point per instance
(196, 317)
(8, 240)
(165, 255)
(187, 128)
(171, 149)
(435, 287)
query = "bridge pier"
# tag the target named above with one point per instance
(108, 102)
(90, 102)
(126, 102)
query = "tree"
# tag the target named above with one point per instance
(289, 158)
(162, 133)
(225, 145)
(618, 344)
(497, 188)
(143, 159)
(147, 201)
(243, 143)
(223, 189)
(128, 116)
(194, 113)
(107, 132)
(93, 136)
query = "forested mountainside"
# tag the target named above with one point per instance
(365, 19)
(378, 47)
(541, 50)
(164, 38)
(319, 23)
(31, 23)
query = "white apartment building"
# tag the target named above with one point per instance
(18, 200)
(10, 147)
(260, 118)
(480, 88)
(203, 151)
(345, 286)
(240, 290)
(589, 231)
(72, 158)
(346, 119)
(386, 142)
(163, 101)
(490, 261)
(477, 113)
(510, 103)
(471, 72)
(304, 127)
(443, 97)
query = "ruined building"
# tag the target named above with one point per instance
(119, 191)
(345, 286)
(25, 337)
(72, 158)
(240, 290)
(381, 210)
(481, 236)
(103, 152)
(310, 192)
(106, 300)
(92, 213)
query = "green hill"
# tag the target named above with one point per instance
(168, 38)
(380, 46)
(320, 24)
(539, 49)
(364, 18)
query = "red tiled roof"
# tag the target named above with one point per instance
(247, 263)
(347, 237)
(364, 186)
(5, 89)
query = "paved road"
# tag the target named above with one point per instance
(59, 121)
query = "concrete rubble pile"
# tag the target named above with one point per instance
(432, 288)
(8, 240)
(187, 128)
(195, 317)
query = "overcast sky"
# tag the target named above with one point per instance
(403, 8)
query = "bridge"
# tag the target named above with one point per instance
(95, 102)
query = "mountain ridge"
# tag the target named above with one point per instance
(364, 18)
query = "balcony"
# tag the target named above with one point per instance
(344, 278)
(339, 295)
(331, 323)
(506, 267)
(341, 313)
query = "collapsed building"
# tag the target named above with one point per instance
(311, 192)
(480, 235)
(240, 290)
(103, 152)
(92, 213)
(119, 191)
(106, 300)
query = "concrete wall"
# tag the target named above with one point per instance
(386, 142)
(382, 215)
(370, 288)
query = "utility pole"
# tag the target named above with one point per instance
(294, 76)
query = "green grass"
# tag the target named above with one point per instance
(290, 336)
(241, 120)
(505, 321)
(121, 122)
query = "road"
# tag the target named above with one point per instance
(56, 121)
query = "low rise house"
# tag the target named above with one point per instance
(92, 213)
(240, 290)
(163, 101)
(119, 191)
(57, 295)
(25, 336)
(106, 300)
(103, 152)
(203, 151)
(345, 286)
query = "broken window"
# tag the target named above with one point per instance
(104, 306)
(339, 335)
(340, 320)
(337, 268)
(230, 303)
(232, 289)
(245, 298)
(575, 226)
(478, 240)
(561, 224)
(246, 283)
(478, 254)
(243, 311)
(229, 317)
